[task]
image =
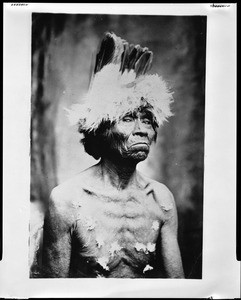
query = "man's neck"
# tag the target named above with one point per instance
(118, 174)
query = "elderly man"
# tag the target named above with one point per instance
(110, 220)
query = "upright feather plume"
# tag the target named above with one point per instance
(114, 49)
(120, 85)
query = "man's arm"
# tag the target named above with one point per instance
(169, 244)
(56, 238)
(169, 248)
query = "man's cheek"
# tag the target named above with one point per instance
(120, 144)
(123, 148)
(152, 137)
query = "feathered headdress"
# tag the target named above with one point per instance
(120, 85)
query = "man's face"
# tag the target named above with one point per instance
(137, 132)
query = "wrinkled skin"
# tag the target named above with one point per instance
(110, 220)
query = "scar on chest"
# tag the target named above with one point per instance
(99, 241)
(103, 261)
(89, 223)
(149, 247)
(115, 247)
(147, 268)
(155, 225)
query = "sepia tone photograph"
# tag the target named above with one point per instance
(117, 146)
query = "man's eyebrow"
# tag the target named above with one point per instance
(146, 114)
(129, 114)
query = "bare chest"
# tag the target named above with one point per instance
(117, 231)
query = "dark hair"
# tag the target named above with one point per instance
(97, 143)
(93, 140)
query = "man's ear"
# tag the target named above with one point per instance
(155, 136)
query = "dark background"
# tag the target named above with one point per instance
(63, 48)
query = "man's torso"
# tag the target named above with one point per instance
(114, 234)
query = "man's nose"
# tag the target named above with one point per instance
(139, 128)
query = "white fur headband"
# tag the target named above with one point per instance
(120, 86)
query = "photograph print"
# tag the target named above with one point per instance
(117, 146)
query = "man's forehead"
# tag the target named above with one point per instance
(142, 111)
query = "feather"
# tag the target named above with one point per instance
(114, 49)
(132, 57)
(106, 52)
(124, 57)
(148, 63)
(120, 85)
(143, 63)
(111, 50)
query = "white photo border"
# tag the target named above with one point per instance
(221, 270)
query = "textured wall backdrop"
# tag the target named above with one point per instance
(63, 47)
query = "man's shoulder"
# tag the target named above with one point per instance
(69, 190)
(161, 193)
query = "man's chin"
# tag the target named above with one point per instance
(139, 155)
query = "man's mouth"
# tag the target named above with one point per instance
(143, 145)
(140, 143)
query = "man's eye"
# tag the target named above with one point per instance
(146, 121)
(127, 119)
